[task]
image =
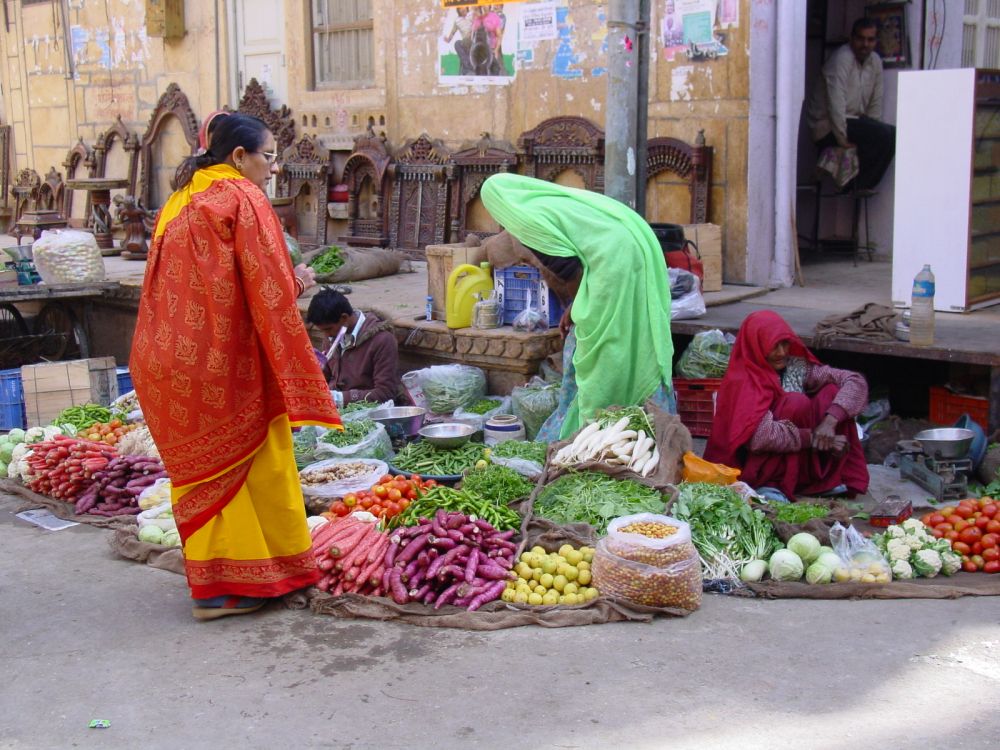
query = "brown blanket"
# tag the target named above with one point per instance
(873, 322)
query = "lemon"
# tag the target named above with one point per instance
(521, 598)
(583, 577)
(583, 565)
(550, 599)
(588, 554)
(572, 599)
(538, 550)
(591, 594)
(508, 595)
(571, 573)
(559, 583)
(525, 557)
(481, 464)
(540, 589)
(535, 599)
(536, 574)
(570, 588)
(549, 566)
(546, 580)
(523, 570)
(867, 578)
(574, 557)
(560, 559)
(841, 575)
(565, 548)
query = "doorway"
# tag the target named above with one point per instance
(259, 31)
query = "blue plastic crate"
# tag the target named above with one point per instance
(11, 400)
(516, 285)
(124, 381)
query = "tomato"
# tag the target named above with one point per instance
(951, 536)
(394, 495)
(339, 508)
(934, 519)
(990, 540)
(982, 522)
(978, 561)
(350, 500)
(970, 535)
(991, 553)
(367, 502)
(947, 510)
(969, 567)
(416, 478)
(993, 566)
(960, 524)
(990, 510)
(977, 548)
(380, 490)
(404, 503)
(961, 548)
(937, 533)
(944, 526)
(964, 511)
(993, 527)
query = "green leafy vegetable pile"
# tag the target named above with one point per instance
(595, 498)
(524, 449)
(498, 484)
(483, 405)
(726, 531)
(353, 433)
(357, 406)
(328, 261)
(798, 513)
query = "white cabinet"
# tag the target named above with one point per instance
(947, 197)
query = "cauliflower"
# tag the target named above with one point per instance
(926, 563)
(895, 532)
(940, 545)
(51, 431)
(915, 543)
(901, 570)
(913, 525)
(18, 467)
(898, 549)
(951, 563)
(34, 435)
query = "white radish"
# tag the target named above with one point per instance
(639, 464)
(651, 464)
(642, 451)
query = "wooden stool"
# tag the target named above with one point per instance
(860, 201)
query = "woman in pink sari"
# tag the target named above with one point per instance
(783, 418)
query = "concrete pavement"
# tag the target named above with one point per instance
(89, 636)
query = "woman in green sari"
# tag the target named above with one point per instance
(619, 351)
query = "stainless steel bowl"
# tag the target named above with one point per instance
(408, 419)
(448, 434)
(946, 442)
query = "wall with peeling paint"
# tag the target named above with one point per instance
(70, 77)
(566, 75)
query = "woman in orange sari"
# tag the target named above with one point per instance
(224, 368)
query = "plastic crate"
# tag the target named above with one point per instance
(11, 400)
(696, 403)
(124, 381)
(946, 407)
(516, 285)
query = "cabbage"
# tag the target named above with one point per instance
(829, 559)
(3, 469)
(823, 550)
(172, 538)
(819, 573)
(6, 451)
(152, 534)
(16, 435)
(805, 545)
(753, 570)
(785, 565)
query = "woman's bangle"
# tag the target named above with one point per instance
(301, 286)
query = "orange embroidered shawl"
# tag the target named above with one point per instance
(220, 348)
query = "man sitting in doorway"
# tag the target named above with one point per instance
(845, 109)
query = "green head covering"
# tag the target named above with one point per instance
(622, 311)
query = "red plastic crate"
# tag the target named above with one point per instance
(946, 407)
(696, 403)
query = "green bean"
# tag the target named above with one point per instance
(497, 484)
(424, 458)
(483, 405)
(445, 498)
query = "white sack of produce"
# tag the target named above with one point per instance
(451, 387)
(155, 495)
(336, 477)
(161, 516)
(361, 438)
(68, 256)
(649, 559)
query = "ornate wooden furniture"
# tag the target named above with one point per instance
(418, 208)
(129, 142)
(80, 156)
(278, 121)
(32, 208)
(473, 163)
(6, 211)
(693, 163)
(173, 103)
(99, 190)
(565, 143)
(305, 168)
(51, 193)
(365, 177)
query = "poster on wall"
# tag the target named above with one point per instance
(689, 29)
(478, 43)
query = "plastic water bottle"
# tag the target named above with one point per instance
(922, 308)
(429, 308)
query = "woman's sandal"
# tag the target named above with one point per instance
(223, 606)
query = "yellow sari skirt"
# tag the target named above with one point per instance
(256, 542)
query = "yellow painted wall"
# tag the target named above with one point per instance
(565, 76)
(117, 70)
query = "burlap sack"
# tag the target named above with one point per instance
(672, 440)
(960, 584)
(818, 527)
(361, 264)
(60, 509)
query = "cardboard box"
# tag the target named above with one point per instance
(53, 386)
(441, 260)
(708, 238)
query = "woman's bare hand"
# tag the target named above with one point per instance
(565, 321)
(824, 438)
(306, 275)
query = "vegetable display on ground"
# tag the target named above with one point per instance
(352, 434)
(526, 450)
(390, 496)
(595, 498)
(107, 432)
(799, 513)
(450, 558)
(972, 528)
(445, 498)
(498, 484)
(350, 553)
(614, 442)
(551, 578)
(423, 458)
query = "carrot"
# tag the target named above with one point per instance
(360, 551)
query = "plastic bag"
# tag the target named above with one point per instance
(643, 570)
(304, 445)
(450, 387)
(863, 563)
(533, 403)
(689, 305)
(151, 517)
(155, 494)
(707, 356)
(478, 421)
(354, 416)
(68, 256)
(343, 487)
(524, 467)
(376, 444)
(697, 469)
(530, 319)
(414, 389)
(294, 251)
